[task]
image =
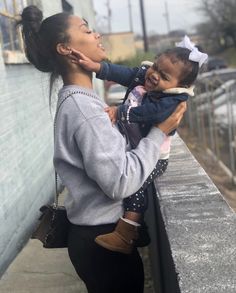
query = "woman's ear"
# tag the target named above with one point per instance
(63, 49)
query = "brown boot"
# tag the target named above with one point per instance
(121, 239)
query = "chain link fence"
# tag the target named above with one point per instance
(211, 116)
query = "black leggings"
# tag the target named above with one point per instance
(102, 270)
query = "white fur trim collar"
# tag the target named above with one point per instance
(181, 90)
(177, 90)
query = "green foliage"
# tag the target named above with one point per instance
(137, 59)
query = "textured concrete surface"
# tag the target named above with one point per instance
(37, 270)
(201, 227)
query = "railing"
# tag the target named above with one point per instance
(212, 116)
(192, 229)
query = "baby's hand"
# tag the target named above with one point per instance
(112, 112)
(79, 58)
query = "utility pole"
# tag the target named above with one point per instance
(130, 17)
(166, 15)
(108, 16)
(145, 41)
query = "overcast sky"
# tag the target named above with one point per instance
(183, 14)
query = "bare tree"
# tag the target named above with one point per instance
(220, 29)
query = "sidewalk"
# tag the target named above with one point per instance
(37, 270)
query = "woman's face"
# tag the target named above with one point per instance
(85, 40)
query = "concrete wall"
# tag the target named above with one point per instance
(193, 230)
(26, 146)
(50, 7)
(26, 172)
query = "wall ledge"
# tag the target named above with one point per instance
(200, 226)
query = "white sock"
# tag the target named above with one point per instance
(130, 222)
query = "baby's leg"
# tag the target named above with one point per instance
(135, 205)
(127, 230)
(133, 216)
(123, 238)
(160, 168)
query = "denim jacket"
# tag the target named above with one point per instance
(156, 106)
(128, 77)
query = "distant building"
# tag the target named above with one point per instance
(159, 43)
(120, 46)
(139, 45)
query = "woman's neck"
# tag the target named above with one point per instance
(78, 77)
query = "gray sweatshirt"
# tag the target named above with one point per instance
(94, 161)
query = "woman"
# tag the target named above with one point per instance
(91, 157)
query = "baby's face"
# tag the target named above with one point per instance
(163, 75)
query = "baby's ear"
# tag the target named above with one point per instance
(147, 63)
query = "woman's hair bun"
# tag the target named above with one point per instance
(32, 17)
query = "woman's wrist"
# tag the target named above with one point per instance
(156, 134)
(162, 128)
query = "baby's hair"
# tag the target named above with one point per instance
(191, 68)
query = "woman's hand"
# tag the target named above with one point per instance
(112, 112)
(173, 121)
(79, 58)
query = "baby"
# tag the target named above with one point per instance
(153, 93)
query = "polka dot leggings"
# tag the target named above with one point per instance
(137, 202)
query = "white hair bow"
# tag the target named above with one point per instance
(195, 54)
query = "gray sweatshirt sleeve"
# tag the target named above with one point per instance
(118, 172)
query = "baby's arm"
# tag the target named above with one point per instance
(150, 112)
(105, 71)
